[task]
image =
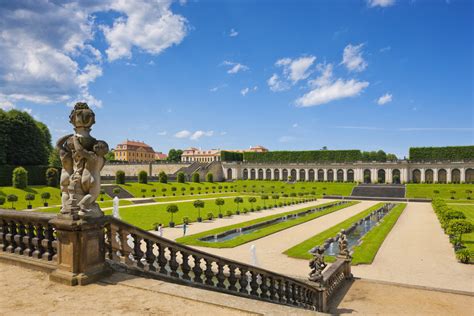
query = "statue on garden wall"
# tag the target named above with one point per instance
(317, 265)
(82, 159)
(344, 251)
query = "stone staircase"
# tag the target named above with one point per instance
(379, 190)
(123, 194)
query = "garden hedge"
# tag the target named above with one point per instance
(442, 153)
(231, 156)
(36, 174)
(304, 156)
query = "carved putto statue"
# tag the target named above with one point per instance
(82, 159)
(317, 265)
(343, 245)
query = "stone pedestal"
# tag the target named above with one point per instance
(81, 251)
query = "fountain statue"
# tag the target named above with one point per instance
(115, 212)
(317, 265)
(343, 245)
(253, 256)
(82, 159)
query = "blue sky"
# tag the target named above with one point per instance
(288, 75)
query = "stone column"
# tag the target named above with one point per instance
(388, 175)
(463, 174)
(435, 175)
(422, 173)
(297, 174)
(325, 175)
(373, 173)
(81, 251)
(448, 175)
(344, 177)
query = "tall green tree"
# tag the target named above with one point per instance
(174, 155)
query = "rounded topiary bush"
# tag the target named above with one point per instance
(463, 255)
(143, 177)
(120, 177)
(210, 216)
(229, 213)
(52, 177)
(20, 178)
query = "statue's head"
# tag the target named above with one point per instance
(101, 148)
(321, 250)
(82, 116)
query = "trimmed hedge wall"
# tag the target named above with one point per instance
(36, 174)
(231, 156)
(442, 153)
(304, 156)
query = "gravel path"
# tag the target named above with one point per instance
(418, 252)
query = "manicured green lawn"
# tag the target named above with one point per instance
(194, 239)
(301, 250)
(371, 242)
(104, 204)
(468, 210)
(199, 196)
(280, 187)
(189, 187)
(422, 190)
(147, 215)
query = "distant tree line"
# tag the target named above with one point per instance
(231, 156)
(442, 153)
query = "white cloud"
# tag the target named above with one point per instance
(246, 90)
(148, 25)
(163, 133)
(385, 49)
(295, 125)
(325, 77)
(380, 3)
(151, 63)
(296, 69)
(223, 133)
(275, 84)
(216, 88)
(352, 58)
(182, 134)
(233, 33)
(337, 90)
(27, 110)
(198, 134)
(235, 67)
(386, 98)
(46, 47)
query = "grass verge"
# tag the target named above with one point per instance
(194, 239)
(371, 242)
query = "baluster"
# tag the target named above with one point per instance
(243, 282)
(253, 284)
(232, 278)
(281, 291)
(271, 281)
(47, 243)
(150, 256)
(108, 241)
(162, 261)
(125, 248)
(293, 294)
(12, 231)
(185, 267)
(137, 251)
(20, 245)
(287, 293)
(3, 235)
(174, 265)
(39, 250)
(197, 270)
(264, 287)
(220, 275)
(28, 240)
(209, 273)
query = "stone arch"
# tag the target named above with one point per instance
(302, 175)
(381, 176)
(245, 174)
(320, 175)
(469, 175)
(340, 175)
(396, 176)
(293, 174)
(350, 175)
(311, 175)
(367, 176)
(285, 175)
(252, 174)
(429, 176)
(276, 174)
(416, 176)
(229, 173)
(330, 175)
(260, 174)
(442, 176)
(456, 176)
(268, 174)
